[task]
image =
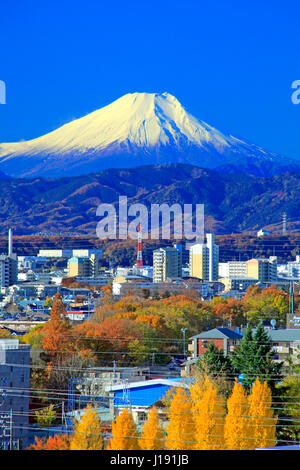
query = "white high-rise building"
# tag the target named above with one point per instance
(8, 265)
(167, 264)
(294, 268)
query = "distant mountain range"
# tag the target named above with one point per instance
(137, 129)
(234, 203)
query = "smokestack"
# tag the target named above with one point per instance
(10, 242)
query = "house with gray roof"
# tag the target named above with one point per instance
(223, 338)
(286, 343)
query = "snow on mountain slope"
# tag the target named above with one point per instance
(136, 129)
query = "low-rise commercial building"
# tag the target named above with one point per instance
(237, 283)
(136, 285)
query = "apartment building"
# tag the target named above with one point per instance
(8, 270)
(84, 266)
(204, 259)
(167, 264)
(14, 394)
(237, 283)
(294, 268)
(238, 275)
(263, 269)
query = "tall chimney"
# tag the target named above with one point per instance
(10, 242)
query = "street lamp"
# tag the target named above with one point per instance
(183, 331)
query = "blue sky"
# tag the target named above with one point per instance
(230, 63)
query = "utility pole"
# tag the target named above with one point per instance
(184, 331)
(10, 431)
(291, 298)
(63, 418)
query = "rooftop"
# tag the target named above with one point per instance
(219, 333)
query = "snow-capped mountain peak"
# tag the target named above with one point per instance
(136, 129)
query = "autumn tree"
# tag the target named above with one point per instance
(124, 433)
(87, 432)
(57, 332)
(48, 302)
(107, 294)
(236, 430)
(180, 429)
(262, 421)
(229, 311)
(57, 442)
(152, 435)
(34, 337)
(4, 334)
(47, 416)
(109, 340)
(266, 304)
(209, 415)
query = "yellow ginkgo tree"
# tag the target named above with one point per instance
(152, 435)
(124, 433)
(181, 427)
(262, 419)
(237, 432)
(209, 415)
(87, 431)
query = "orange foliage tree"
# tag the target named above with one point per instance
(108, 340)
(230, 310)
(57, 339)
(57, 442)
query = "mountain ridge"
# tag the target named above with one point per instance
(234, 203)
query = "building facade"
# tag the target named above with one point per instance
(14, 394)
(167, 264)
(237, 283)
(204, 259)
(263, 269)
(223, 338)
(294, 268)
(84, 266)
(8, 270)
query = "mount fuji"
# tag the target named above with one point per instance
(136, 129)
